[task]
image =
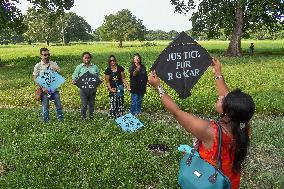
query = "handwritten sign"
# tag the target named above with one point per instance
(88, 81)
(129, 123)
(50, 80)
(182, 64)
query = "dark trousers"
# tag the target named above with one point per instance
(87, 99)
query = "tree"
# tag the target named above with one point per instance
(42, 26)
(9, 36)
(121, 27)
(233, 18)
(76, 28)
(160, 35)
(12, 18)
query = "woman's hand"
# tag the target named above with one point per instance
(128, 88)
(112, 90)
(216, 67)
(153, 79)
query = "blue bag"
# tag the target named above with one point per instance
(196, 173)
(120, 90)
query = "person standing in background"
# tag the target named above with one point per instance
(251, 49)
(138, 82)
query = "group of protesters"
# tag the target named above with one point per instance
(115, 80)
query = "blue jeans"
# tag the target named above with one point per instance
(45, 106)
(136, 102)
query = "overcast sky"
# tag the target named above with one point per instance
(156, 14)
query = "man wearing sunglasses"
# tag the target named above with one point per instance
(46, 95)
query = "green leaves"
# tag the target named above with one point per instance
(122, 26)
(12, 18)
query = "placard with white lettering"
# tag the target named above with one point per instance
(88, 81)
(182, 64)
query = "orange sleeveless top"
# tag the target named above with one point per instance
(210, 155)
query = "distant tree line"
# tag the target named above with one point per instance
(44, 26)
(231, 20)
(48, 22)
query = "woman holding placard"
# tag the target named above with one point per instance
(87, 96)
(235, 108)
(116, 82)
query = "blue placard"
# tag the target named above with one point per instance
(50, 80)
(129, 123)
(187, 149)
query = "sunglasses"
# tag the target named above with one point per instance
(112, 60)
(46, 54)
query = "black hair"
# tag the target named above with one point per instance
(111, 56)
(43, 49)
(239, 107)
(88, 53)
(139, 56)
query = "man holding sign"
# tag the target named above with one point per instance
(86, 77)
(46, 77)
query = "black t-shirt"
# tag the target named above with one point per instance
(138, 83)
(115, 78)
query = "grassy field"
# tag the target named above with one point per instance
(97, 154)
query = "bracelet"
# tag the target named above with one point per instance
(219, 77)
(161, 90)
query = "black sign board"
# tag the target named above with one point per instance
(182, 63)
(88, 81)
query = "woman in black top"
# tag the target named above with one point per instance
(115, 81)
(138, 82)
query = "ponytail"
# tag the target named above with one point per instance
(242, 141)
(239, 107)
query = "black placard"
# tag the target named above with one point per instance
(182, 63)
(88, 81)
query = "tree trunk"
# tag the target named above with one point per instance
(120, 44)
(64, 41)
(47, 42)
(234, 48)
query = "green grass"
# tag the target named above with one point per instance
(262, 76)
(97, 154)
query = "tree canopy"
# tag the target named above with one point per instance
(233, 18)
(122, 26)
(76, 28)
(42, 26)
(11, 17)
(47, 26)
